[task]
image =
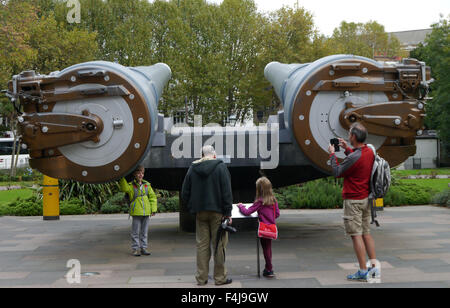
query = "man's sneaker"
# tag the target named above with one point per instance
(359, 276)
(136, 253)
(374, 273)
(144, 252)
(268, 274)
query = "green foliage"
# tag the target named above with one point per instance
(365, 40)
(319, 194)
(442, 198)
(116, 204)
(30, 206)
(92, 196)
(168, 202)
(409, 194)
(72, 207)
(436, 53)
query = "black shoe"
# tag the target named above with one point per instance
(226, 282)
(145, 252)
(268, 274)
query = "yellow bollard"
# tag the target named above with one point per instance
(50, 201)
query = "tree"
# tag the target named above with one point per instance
(365, 40)
(30, 40)
(436, 53)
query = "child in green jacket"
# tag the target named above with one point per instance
(143, 205)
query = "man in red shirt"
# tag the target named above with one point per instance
(356, 169)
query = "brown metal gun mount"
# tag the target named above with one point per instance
(394, 119)
(42, 131)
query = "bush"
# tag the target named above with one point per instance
(442, 198)
(169, 205)
(72, 207)
(408, 194)
(116, 204)
(319, 194)
(31, 206)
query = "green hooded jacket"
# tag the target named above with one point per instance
(143, 205)
(207, 187)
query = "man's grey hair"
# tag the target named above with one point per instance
(359, 131)
(208, 151)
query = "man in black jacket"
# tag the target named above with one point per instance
(207, 193)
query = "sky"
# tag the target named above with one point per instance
(395, 15)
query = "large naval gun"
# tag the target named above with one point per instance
(95, 122)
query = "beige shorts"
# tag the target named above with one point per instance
(357, 217)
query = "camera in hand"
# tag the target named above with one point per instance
(335, 142)
(225, 226)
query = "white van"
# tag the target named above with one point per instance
(6, 145)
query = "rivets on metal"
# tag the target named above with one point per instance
(331, 73)
(137, 145)
(308, 93)
(301, 117)
(131, 96)
(106, 78)
(116, 167)
(397, 122)
(141, 120)
(84, 173)
(45, 107)
(44, 129)
(73, 78)
(308, 142)
(420, 106)
(395, 95)
(365, 70)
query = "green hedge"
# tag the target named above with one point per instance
(31, 206)
(319, 194)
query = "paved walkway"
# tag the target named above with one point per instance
(413, 245)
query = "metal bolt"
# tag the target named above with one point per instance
(73, 78)
(137, 145)
(420, 106)
(307, 142)
(308, 93)
(365, 70)
(131, 96)
(24, 146)
(117, 167)
(118, 123)
(141, 120)
(84, 173)
(106, 78)
(302, 117)
(45, 107)
(395, 95)
(331, 73)
(44, 129)
(397, 122)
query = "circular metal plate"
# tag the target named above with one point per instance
(324, 116)
(113, 142)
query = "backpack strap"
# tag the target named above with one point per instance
(372, 200)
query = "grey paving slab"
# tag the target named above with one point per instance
(413, 245)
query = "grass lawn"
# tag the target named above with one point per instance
(444, 171)
(437, 184)
(11, 195)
